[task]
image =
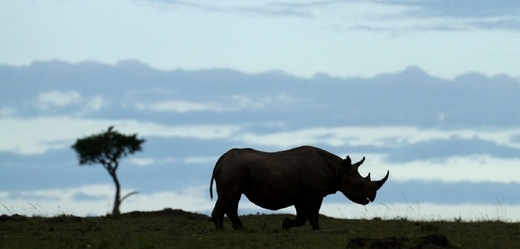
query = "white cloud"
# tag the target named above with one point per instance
(200, 160)
(424, 211)
(96, 191)
(40, 134)
(473, 168)
(241, 102)
(50, 99)
(195, 131)
(97, 200)
(381, 136)
(6, 111)
(141, 162)
(194, 199)
(144, 162)
(179, 106)
(96, 103)
(25, 136)
(91, 105)
(232, 104)
(49, 202)
(476, 168)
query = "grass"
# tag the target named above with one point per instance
(178, 229)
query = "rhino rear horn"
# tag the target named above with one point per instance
(382, 181)
(359, 163)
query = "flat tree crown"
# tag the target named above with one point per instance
(106, 147)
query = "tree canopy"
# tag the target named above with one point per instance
(107, 147)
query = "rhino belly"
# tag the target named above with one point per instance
(271, 198)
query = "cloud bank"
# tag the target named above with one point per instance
(442, 140)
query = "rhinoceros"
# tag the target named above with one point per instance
(301, 177)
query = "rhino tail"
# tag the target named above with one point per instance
(211, 188)
(212, 178)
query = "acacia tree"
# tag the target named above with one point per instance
(107, 148)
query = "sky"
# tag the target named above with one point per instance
(340, 38)
(425, 89)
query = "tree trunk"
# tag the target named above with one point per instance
(117, 200)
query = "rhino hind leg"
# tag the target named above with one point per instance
(218, 214)
(232, 213)
(228, 206)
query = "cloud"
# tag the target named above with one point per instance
(251, 8)
(179, 106)
(61, 99)
(50, 99)
(97, 200)
(436, 149)
(92, 105)
(378, 136)
(460, 15)
(474, 168)
(200, 160)
(141, 162)
(98, 191)
(424, 211)
(377, 15)
(49, 202)
(6, 111)
(241, 102)
(233, 103)
(25, 136)
(464, 8)
(96, 103)
(408, 15)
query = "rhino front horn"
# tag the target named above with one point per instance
(382, 181)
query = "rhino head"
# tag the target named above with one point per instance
(361, 190)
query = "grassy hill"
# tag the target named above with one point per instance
(179, 229)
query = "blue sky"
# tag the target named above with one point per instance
(340, 38)
(425, 89)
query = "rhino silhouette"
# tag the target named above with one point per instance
(301, 177)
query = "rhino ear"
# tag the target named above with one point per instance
(346, 163)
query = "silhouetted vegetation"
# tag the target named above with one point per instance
(179, 229)
(107, 148)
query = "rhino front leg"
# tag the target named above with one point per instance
(301, 218)
(288, 223)
(314, 213)
(307, 210)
